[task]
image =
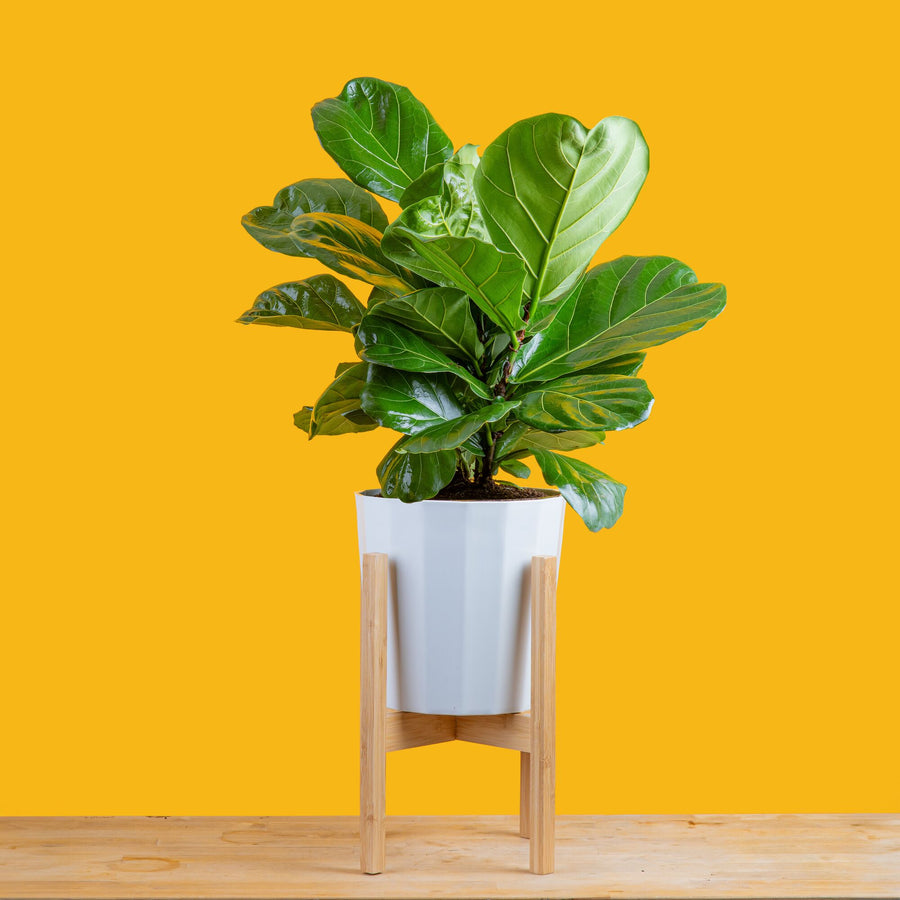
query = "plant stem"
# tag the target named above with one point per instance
(487, 467)
(501, 387)
(486, 471)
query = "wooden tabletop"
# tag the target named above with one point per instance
(777, 856)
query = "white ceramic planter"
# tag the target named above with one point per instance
(459, 614)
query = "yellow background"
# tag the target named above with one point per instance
(179, 624)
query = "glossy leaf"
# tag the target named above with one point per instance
(452, 434)
(415, 476)
(340, 368)
(441, 315)
(587, 403)
(321, 302)
(303, 418)
(505, 442)
(518, 438)
(452, 211)
(409, 402)
(377, 294)
(387, 343)
(595, 496)
(629, 364)
(560, 441)
(329, 415)
(380, 135)
(552, 191)
(621, 307)
(491, 278)
(516, 468)
(350, 247)
(428, 184)
(271, 225)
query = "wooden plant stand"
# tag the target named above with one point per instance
(532, 733)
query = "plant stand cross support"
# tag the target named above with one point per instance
(531, 733)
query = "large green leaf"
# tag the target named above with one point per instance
(559, 440)
(452, 434)
(587, 403)
(491, 278)
(271, 225)
(409, 402)
(415, 476)
(388, 344)
(452, 211)
(350, 247)
(621, 307)
(629, 364)
(429, 183)
(340, 399)
(596, 497)
(519, 439)
(380, 135)
(552, 191)
(321, 302)
(441, 315)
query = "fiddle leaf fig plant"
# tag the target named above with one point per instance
(485, 339)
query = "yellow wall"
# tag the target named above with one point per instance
(179, 622)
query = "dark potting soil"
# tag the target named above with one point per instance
(495, 490)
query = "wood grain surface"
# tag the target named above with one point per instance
(778, 856)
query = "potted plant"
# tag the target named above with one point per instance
(485, 340)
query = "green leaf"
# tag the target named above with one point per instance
(596, 497)
(518, 438)
(587, 403)
(351, 248)
(358, 417)
(560, 440)
(505, 442)
(320, 302)
(441, 315)
(341, 397)
(428, 184)
(452, 211)
(452, 434)
(409, 402)
(389, 344)
(491, 278)
(516, 467)
(271, 225)
(629, 364)
(303, 418)
(377, 294)
(380, 135)
(415, 476)
(621, 307)
(464, 163)
(552, 191)
(340, 368)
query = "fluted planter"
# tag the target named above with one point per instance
(459, 625)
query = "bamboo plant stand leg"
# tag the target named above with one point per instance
(373, 700)
(532, 734)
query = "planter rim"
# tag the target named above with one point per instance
(376, 493)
